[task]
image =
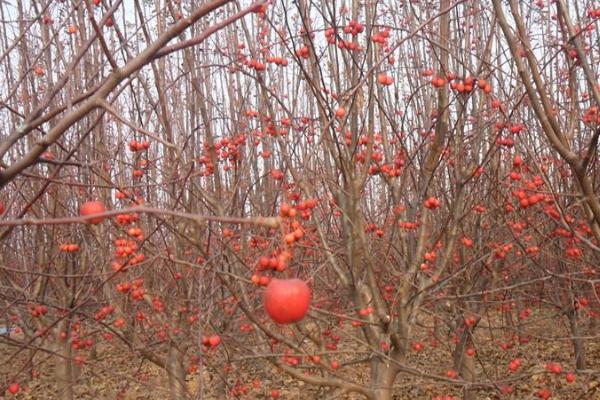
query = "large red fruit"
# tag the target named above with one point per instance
(287, 300)
(92, 208)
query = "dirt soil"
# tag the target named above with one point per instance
(117, 374)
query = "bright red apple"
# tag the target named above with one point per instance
(92, 208)
(287, 300)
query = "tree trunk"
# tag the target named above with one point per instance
(465, 364)
(65, 371)
(384, 376)
(176, 373)
(578, 343)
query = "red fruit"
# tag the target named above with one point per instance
(570, 377)
(311, 203)
(517, 161)
(214, 340)
(1, 208)
(287, 300)
(452, 374)
(515, 176)
(264, 280)
(438, 82)
(514, 364)
(554, 368)
(14, 388)
(340, 112)
(384, 79)
(92, 208)
(432, 203)
(507, 389)
(418, 346)
(275, 393)
(544, 394)
(263, 262)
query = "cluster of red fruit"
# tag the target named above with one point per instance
(126, 219)
(255, 64)
(354, 28)
(432, 203)
(593, 13)
(372, 228)
(125, 252)
(277, 61)
(384, 79)
(69, 247)
(135, 287)
(408, 226)
(211, 341)
(381, 37)
(591, 116)
(463, 86)
(104, 312)
(38, 311)
(285, 300)
(303, 52)
(134, 145)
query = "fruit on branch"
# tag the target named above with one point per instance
(544, 394)
(14, 388)
(517, 161)
(438, 82)
(1, 208)
(287, 300)
(385, 79)
(432, 203)
(69, 247)
(514, 365)
(90, 208)
(214, 340)
(555, 368)
(303, 52)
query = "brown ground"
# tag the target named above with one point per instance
(118, 375)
